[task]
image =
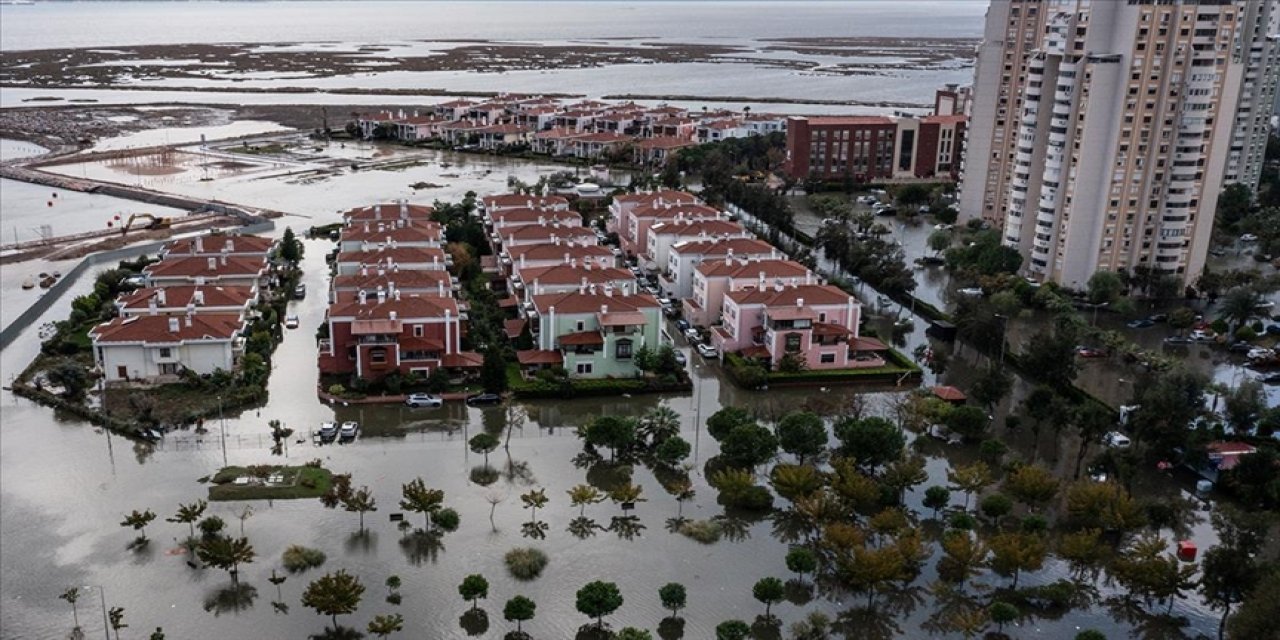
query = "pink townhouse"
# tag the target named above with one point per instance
(553, 253)
(623, 205)
(524, 216)
(815, 322)
(542, 234)
(507, 201)
(712, 280)
(663, 235)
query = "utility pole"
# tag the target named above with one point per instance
(223, 422)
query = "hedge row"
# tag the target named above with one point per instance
(538, 388)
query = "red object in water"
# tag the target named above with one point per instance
(110, 223)
(49, 203)
(55, 194)
(1187, 551)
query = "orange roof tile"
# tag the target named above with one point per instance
(168, 329)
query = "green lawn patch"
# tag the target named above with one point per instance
(294, 482)
(896, 366)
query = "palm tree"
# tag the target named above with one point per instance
(659, 423)
(71, 595)
(627, 494)
(226, 553)
(1240, 304)
(139, 521)
(583, 495)
(117, 620)
(189, 514)
(534, 500)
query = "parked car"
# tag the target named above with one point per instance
(682, 325)
(300, 291)
(328, 431)
(691, 334)
(1141, 323)
(1178, 340)
(424, 400)
(348, 430)
(1260, 353)
(1116, 440)
(1271, 379)
(707, 351)
(1158, 317)
(1203, 334)
(1248, 237)
(291, 322)
(1240, 347)
(681, 359)
(942, 226)
(1091, 352)
(483, 399)
(970, 291)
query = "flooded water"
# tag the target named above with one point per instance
(186, 135)
(66, 486)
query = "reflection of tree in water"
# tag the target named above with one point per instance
(950, 606)
(281, 608)
(733, 528)
(627, 527)
(1147, 625)
(673, 524)
(475, 622)
(420, 545)
(766, 628)
(364, 541)
(583, 527)
(337, 633)
(671, 628)
(484, 475)
(142, 451)
(593, 632)
(536, 530)
(231, 599)
(869, 623)
(789, 526)
(607, 476)
(798, 593)
(517, 472)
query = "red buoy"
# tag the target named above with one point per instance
(49, 203)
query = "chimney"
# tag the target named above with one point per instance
(224, 259)
(382, 295)
(197, 298)
(604, 309)
(189, 314)
(362, 296)
(397, 295)
(174, 325)
(440, 288)
(377, 212)
(777, 286)
(364, 269)
(799, 303)
(151, 306)
(608, 290)
(213, 264)
(391, 315)
(231, 246)
(566, 259)
(159, 297)
(197, 246)
(404, 208)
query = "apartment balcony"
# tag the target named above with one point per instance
(378, 339)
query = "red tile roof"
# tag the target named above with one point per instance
(583, 338)
(407, 308)
(513, 327)
(168, 329)
(505, 200)
(213, 244)
(414, 231)
(665, 142)
(665, 195)
(562, 274)
(867, 344)
(191, 266)
(539, 357)
(945, 119)
(604, 137)
(697, 228)
(789, 296)
(670, 210)
(621, 319)
(401, 255)
(389, 211)
(724, 247)
(791, 313)
(949, 393)
(552, 251)
(462, 360)
(525, 215)
(574, 302)
(752, 268)
(179, 296)
(405, 280)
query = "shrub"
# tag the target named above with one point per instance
(446, 520)
(299, 558)
(755, 498)
(704, 531)
(525, 563)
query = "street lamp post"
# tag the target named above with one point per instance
(223, 422)
(1004, 331)
(102, 593)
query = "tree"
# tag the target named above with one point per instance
(290, 247)
(582, 495)
(519, 610)
(1230, 570)
(873, 442)
(632, 633)
(1092, 421)
(963, 554)
(1002, 613)
(968, 421)
(626, 494)
(534, 500)
(903, 474)
(802, 434)
(598, 599)
(801, 560)
(748, 445)
(996, 506)
(723, 421)
(769, 591)
(385, 625)
(1149, 573)
(139, 520)
(936, 497)
(493, 370)
(732, 630)
(418, 498)
(1032, 485)
(1234, 204)
(1091, 634)
(618, 434)
(1104, 287)
(71, 595)
(226, 553)
(1245, 404)
(189, 514)
(334, 594)
(360, 501)
(1238, 306)
(796, 481)
(673, 597)
(473, 588)
(1015, 552)
(673, 450)
(1101, 505)
(992, 385)
(116, 614)
(939, 241)
(483, 443)
(659, 424)
(970, 479)
(1256, 617)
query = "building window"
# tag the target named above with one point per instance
(378, 355)
(417, 331)
(581, 325)
(827, 358)
(622, 350)
(793, 342)
(166, 352)
(584, 368)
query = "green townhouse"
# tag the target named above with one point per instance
(594, 332)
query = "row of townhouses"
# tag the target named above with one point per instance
(191, 312)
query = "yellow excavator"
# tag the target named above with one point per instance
(151, 222)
